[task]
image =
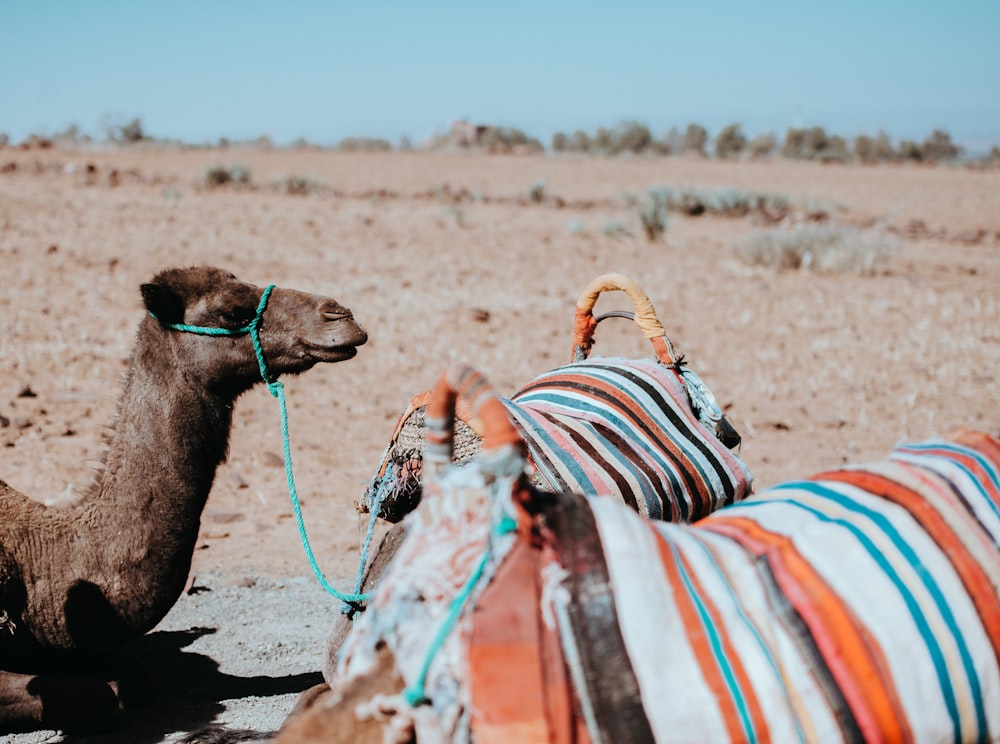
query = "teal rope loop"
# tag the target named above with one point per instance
(277, 390)
(351, 609)
(252, 327)
(416, 695)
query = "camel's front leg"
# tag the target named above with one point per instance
(74, 704)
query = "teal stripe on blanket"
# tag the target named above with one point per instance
(649, 489)
(906, 551)
(723, 581)
(694, 438)
(541, 434)
(570, 405)
(922, 450)
(725, 667)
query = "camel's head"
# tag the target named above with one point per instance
(206, 313)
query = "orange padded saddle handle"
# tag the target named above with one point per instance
(584, 324)
(461, 384)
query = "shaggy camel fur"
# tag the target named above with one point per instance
(859, 604)
(79, 579)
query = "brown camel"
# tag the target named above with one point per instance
(78, 580)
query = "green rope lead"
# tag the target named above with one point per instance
(278, 391)
(352, 609)
(416, 695)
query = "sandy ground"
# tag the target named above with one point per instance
(443, 258)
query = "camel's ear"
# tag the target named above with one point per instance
(163, 303)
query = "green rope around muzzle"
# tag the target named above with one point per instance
(278, 391)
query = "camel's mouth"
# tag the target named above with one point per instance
(330, 353)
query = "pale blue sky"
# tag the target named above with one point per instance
(201, 70)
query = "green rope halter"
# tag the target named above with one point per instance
(278, 391)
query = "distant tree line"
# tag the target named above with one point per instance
(630, 137)
(812, 143)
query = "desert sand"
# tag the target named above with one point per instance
(445, 257)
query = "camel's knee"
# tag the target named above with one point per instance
(306, 700)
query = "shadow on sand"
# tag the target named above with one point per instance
(188, 690)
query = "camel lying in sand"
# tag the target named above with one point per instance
(77, 580)
(859, 604)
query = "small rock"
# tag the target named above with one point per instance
(27, 392)
(915, 229)
(21, 422)
(236, 480)
(193, 587)
(218, 516)
(246, 582)
(971, 237)
(271, 460)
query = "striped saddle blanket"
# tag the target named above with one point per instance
(630, 429)
(861, 604)
(627, 428)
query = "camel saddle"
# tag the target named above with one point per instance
(537, 677)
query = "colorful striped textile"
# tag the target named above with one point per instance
(626, 428)
(604, 426)
(861, 604)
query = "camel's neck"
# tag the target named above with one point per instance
(129, 545)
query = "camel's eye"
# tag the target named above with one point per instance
(236, 317)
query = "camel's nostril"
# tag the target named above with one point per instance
(330, 309)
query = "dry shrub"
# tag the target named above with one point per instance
(825, 249)
(222, 175)
(731, 142)
(364, 144)
(724, 202)
(653, 213)
(298, 185)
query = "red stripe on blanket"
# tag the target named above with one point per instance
(698, 639)
(975, 580)
(856, 663)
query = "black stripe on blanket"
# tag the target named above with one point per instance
(612, 687)
(787, 615)
(603, 463)
(695, 436)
